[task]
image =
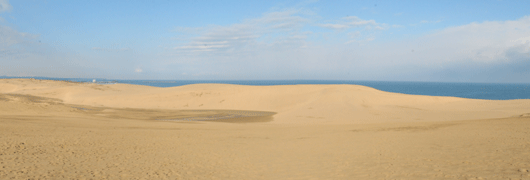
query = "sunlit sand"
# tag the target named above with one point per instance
(65, 130)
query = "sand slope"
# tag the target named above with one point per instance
(293, 103)
(62, 130)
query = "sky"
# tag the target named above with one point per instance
(445, 41)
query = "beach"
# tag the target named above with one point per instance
(68, 130)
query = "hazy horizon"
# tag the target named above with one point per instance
(296, 81)
(450, 41)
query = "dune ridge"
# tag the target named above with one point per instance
(65, 130)
(293, 103)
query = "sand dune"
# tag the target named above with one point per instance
(293, 103)
(64, 130)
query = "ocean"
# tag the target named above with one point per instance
(491, 91)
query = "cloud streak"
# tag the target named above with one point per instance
(488, 51)
(271, 28)
(478, 47)
(5, 6)
(355, 22)
(290, 44)
(10, 37)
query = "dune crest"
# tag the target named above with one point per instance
(293, 103)
(65, 130)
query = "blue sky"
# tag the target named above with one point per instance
(452, 41)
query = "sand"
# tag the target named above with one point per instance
(66, 130)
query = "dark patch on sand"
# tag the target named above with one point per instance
(230, 116)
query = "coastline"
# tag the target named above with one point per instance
(470, 90)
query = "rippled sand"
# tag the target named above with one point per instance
(63, 130)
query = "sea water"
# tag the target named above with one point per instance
(492, 91)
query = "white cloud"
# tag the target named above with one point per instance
(486, 51)
(21, 54)
(289, 45)
(10, 36)
(355, 37)
(274, 30)
(451, 54)
(355, 22)
(204, 45)
(274, 27)
(523, 40)
(484, 42)
(5, 6)
(334, 26)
